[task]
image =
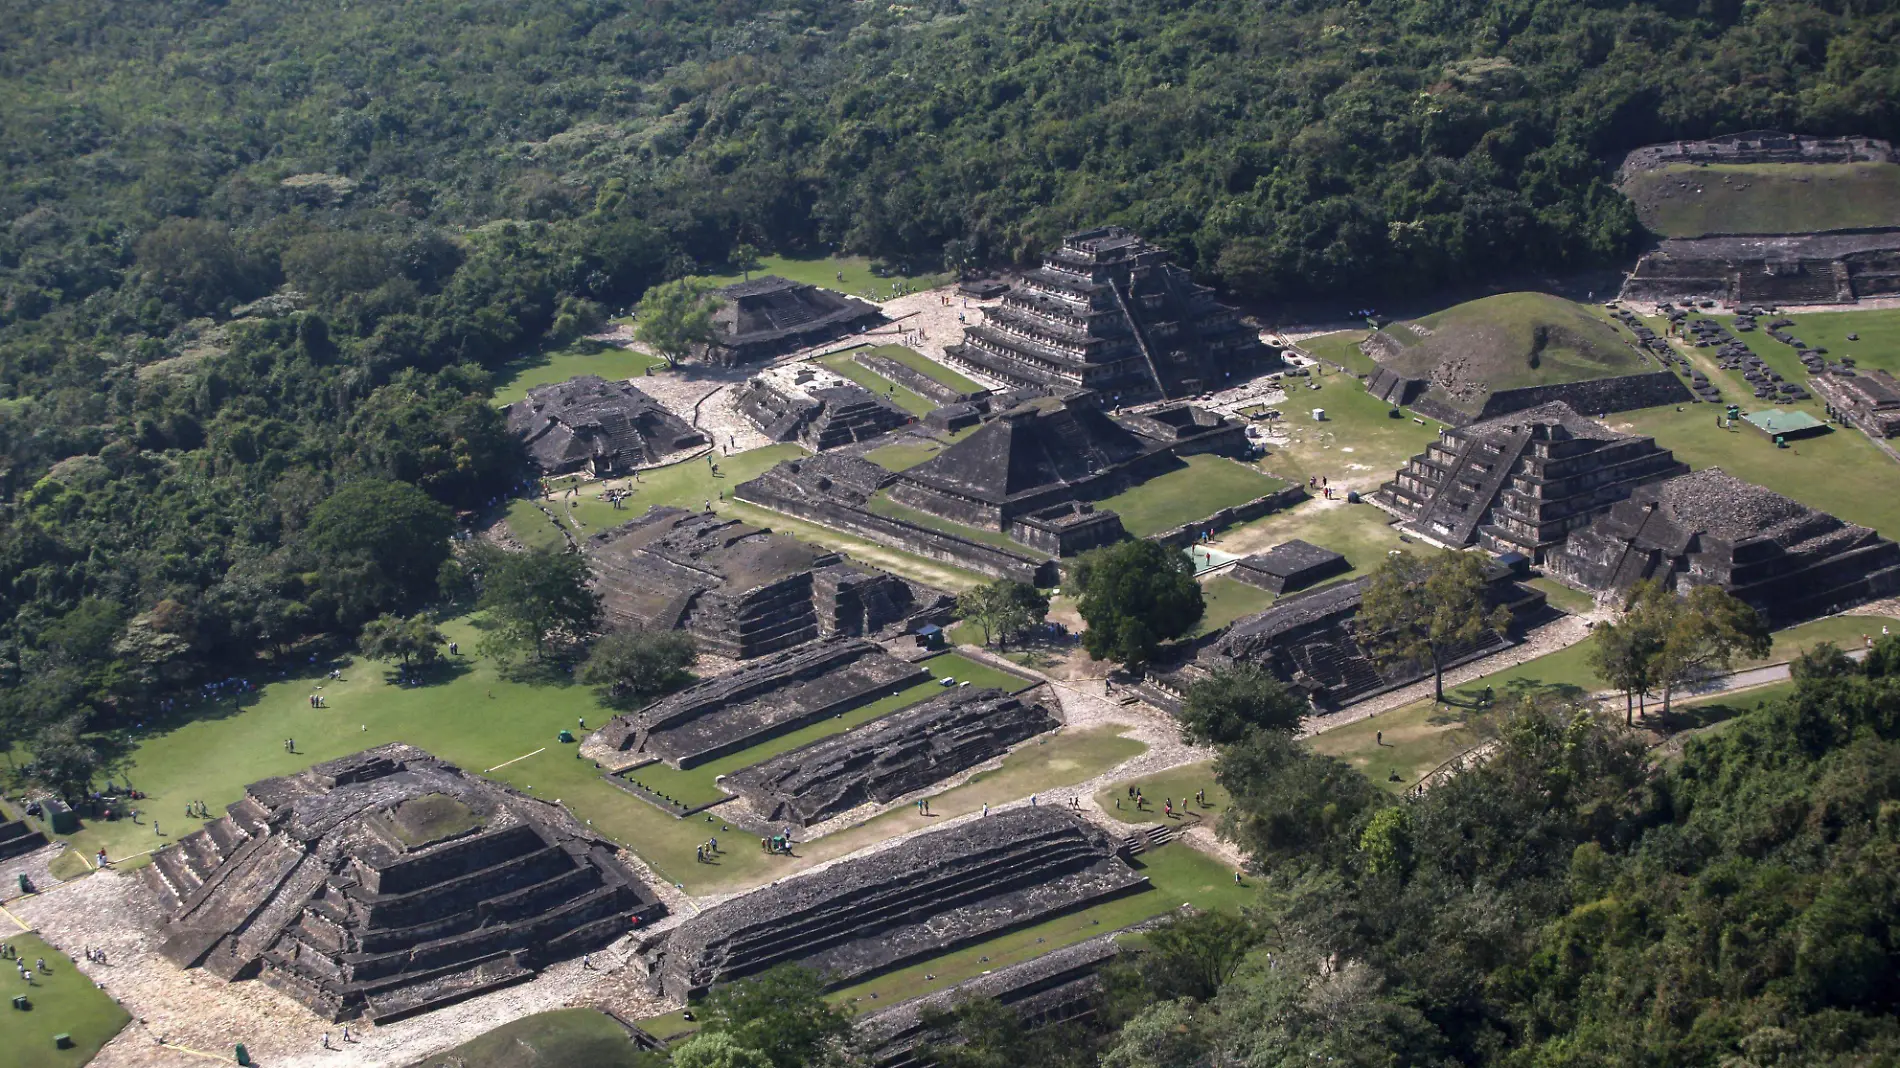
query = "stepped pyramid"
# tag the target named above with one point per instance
(590, 424)
(1710, 528)
(1108, 311)
(1520, 482)
(389, 883)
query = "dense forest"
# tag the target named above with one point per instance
(260, 260)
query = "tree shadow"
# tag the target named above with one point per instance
(445, 670)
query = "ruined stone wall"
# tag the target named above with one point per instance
(1621, 394)
(912, 379)
(1188, 533)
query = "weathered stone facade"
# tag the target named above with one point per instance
(888, 757)
(1068, 529)
(1107, 311)
(743, 591)
(771, 696)
(1309, 641)
(1837, 267)
(914, 900)
(390, 883)
(602, 428)
(1870, 399)
(1290, 567)
(773, 316)
(1785, 559)
(1055, 450)
(815, 406)
(1521, 482)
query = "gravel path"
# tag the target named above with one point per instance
(32, 865)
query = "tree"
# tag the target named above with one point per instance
(195, 264)
(746, 259)
(1417, 610)
(377, 543)
(1711, 627)
(1195, 954)
(1626, 651)
(536, 600)
(1233, 701)
(780, 1012)
(1134, 595)
(1003, 608)
(65, 761)
(412, 642)
(675, 317)
(716, 1049)
(631, 667)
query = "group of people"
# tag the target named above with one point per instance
(95, 956)
(706, 851)
(778, 843)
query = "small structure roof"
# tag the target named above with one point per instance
(1777, 423)
(1041, 443)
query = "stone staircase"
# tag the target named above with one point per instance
(19, 838)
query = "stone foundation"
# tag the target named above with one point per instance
(1289, 567)
(886, 758)
(922, 897)
(815, 406)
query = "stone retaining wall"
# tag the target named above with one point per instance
(1188, 533)
(912, 379)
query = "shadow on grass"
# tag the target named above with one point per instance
(448, 669)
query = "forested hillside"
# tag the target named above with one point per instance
(256, 251)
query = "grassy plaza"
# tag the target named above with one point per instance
(548, 1040)
(63, 1002)
(577, 358)
(1175, 784)
(858, 279)
(1206, 485)
(843, 363)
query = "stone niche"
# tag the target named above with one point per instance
(389, 883)
(1790, 562)
(915, 900)
(770, 696)
(888, 757)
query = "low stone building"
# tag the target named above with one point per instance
(815, 406)
(917, 899)
(19, 838)
(888, 757)
(1068, 529)
(1869, 398)
(389, 883)
(743, 591)
(1054, 450)
(772, 316)
(1521, 482)
(1824, 268)
(1310, 641)
(770, 696)
(1785, 559)
(602, 428)
(1289, 567)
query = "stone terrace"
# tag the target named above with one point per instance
(919, 898)
(888, 757)
(770, 696)
(1289, 567)
(1787, 560)
(390, 883)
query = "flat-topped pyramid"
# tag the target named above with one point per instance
(770, 316)
(1520, 482)
(389, 883)
(1787, 560)
(603, 428)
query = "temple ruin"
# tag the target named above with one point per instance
(1867, 398)
(1107, 311)
(1822, 268)
(743, 591)
(915, 900)
(767, 697)
(1785, 559)
(1055, 450)
(1309, 641)
(772, 316)
(1289, 567)
(602, 428)
(1759, 146)
(1520, 482)
(815, 406)
(888, 757)
(389, 883)
(18, 838)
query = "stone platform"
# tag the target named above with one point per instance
(925, 896)
(888, 757)
(389, 883)
(771, 696)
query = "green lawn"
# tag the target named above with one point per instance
(1176, 784)
(1342, 348)
(1878, 332)
(696, 786)
(1205, 486)
(862, 551)
(914, 403)
(824, 271)
(904, 454)
(1417, 738)
(928, 367)
(64, 1002)
(1765, 198)
(561, 1039)
(515, 379)
(1228, 600)
(687, 485)
(884, 506)
(1563, 597)
(1359, 446)
(1361, 533)
(1841, 472)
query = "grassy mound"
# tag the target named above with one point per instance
(1506, 341)
(1765, 198)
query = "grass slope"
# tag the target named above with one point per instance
(1228, 600)
(914, 403)
(1765, 198)
(64, 1002)
(513, 381)
(928, 367)
(1205, 486)
(548, 1040)
(1509, 341)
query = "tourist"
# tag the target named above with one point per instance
(1378, 737)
